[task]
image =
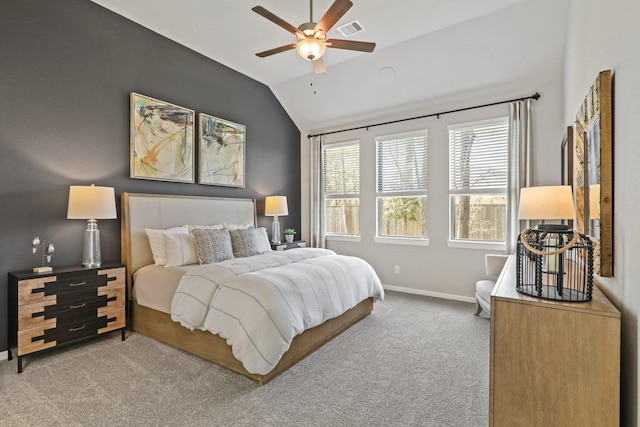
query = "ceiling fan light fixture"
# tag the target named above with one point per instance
(311, 36)
(311, 49)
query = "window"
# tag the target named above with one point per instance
(341, 188)
(478, 181)
(402, 185)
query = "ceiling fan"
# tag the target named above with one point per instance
(312, 36)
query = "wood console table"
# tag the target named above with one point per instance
(552, 363)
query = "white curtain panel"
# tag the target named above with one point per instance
(520, 165)
(317, 206)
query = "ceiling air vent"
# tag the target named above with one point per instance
(351, 28)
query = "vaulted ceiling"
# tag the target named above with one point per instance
(427, 50)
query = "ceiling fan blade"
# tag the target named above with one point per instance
(276, 50)
(331, 16)
(319, 66)
(351, 45)
(277, 20)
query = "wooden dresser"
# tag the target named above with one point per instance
(552, 363)
(63, 306)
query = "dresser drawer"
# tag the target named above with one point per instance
(115, 277)
(116, 319)
(70, 329)
(59, 331)
(75, 308)
(32, 291)
(32, 339)
(32, 315)
(46, 288)
(115, 297)
(74, 283)
(72, 304)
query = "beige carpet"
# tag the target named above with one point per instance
(416, 361)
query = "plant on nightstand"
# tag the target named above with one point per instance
(289, 233)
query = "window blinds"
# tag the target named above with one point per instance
(478, 156)
(402, 163)
(341, 170)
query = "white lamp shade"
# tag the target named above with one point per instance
(547, 202)
(91, 202)
(276, 206)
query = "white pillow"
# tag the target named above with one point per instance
(262, 238)
(232, 227)
(206, 227)
(156, 242)
(180, 249)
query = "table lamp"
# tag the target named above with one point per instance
(275, 206)
(554, 261)
(91, 203)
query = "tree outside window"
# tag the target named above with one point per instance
(341, 188)
(402, 185)
(478, 180)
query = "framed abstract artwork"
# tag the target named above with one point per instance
(594, 171)
(221, 152)
(161, 140)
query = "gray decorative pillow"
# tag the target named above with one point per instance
(212, 245)
(244, 242)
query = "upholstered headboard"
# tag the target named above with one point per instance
(140, 211)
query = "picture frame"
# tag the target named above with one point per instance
(579, 171)
(221, 151)
(594, 171)
(593, 179)
(161, 140)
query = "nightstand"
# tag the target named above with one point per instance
(63, 306)
(288, 245)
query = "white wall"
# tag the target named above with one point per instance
(604, 35)
(437, 269)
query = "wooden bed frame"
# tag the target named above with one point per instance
(140, 211)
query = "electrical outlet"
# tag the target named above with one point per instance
(397, 269)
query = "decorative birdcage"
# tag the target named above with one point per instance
(555, 262)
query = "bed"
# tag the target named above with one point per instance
(157, 307)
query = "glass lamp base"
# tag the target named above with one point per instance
(91, 251)
(275, 231)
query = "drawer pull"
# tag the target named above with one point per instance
(78, 305)
(77, 284)
(76, 329)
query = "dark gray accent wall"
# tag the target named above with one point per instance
(66, 71)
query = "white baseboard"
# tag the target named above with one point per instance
(4, 355)
(429, 293)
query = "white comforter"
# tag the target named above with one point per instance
(260, 303)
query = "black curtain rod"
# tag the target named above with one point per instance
(535, 96)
